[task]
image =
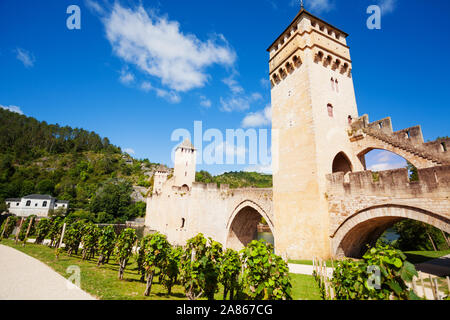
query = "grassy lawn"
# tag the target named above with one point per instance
(423, 256)
(103, 283)
(310, 263)
(304, 287)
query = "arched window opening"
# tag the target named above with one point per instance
(183, 221)
(337, 85)
(330, 110)
(44, 204)
(332, 84)
(28, 203)
(381, 160)
(443, 147)
(341, 163)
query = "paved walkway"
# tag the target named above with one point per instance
(306, 269)
(439, 267)
(25, 278)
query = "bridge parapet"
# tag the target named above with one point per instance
(433, 181)
(408, 142)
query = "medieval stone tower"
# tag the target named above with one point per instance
(184, 168)
(313, 102)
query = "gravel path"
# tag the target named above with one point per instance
(25, 278)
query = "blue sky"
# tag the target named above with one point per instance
(138, 70)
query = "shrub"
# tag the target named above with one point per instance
(156, 250)
(124, 248)
(42, 229)
(230, 268)
(106, 244)
(170, 268)
(200, 267)
(91, 233)
(356, 280)
(8, 226)
(266, 275)
(72, 237)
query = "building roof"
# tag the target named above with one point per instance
(186, 144)
(304, 12)
(162, 168)
(13, 200)
(39, 197)
(62, 201)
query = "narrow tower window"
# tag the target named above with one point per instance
(330, 110)
(337, 85)
(332, 84)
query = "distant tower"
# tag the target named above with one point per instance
(184, 169)
(159, 178)
(313, 102)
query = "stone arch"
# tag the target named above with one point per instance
(367, 225)
(341, 163)
(241, 225)
(413, 159)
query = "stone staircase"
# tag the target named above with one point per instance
(403, 144)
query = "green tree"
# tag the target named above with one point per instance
(45, 186)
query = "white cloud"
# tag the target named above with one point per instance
(265, 169)
(205, 102)
(234, 86)
(380, 160)
(388, 6)
(129, 150)
(158, 48)
(94, 6)
(15, 109)
(170, 96)
(25, 57)
(239, 102)
(126, 77)
(230, 150)
(258, 119)
(146, 86)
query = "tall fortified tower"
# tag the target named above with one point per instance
(313, 101)
(184, 168)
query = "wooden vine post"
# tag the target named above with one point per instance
(18, 231)
(28, 231)
(4, 228)
(62, 235)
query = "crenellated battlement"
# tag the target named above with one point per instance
(391, 182)
(409, 140)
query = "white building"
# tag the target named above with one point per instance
(35, 204)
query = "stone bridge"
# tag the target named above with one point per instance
(230, 216)
(362, 205)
